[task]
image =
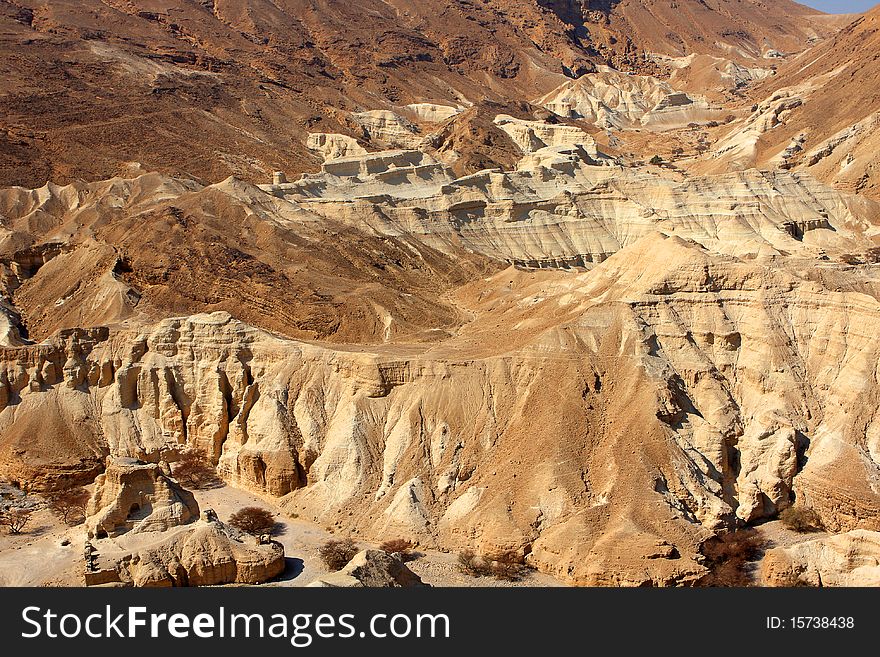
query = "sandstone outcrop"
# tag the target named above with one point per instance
(850, 559)
(432, 112)
(558, 209)
(473, 321)
(611, 99)
(333, 146)
(132, 496)
(532, 136)
(205, 553)
(386, 127)
(371, 569)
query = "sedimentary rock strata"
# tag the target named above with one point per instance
(850, 559)
(489, 316)
(132, 496)
(205, 553)
(611, 99)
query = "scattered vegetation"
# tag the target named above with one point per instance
(400, 547)
(801, 519)
(193, 470)
(253, 520)
(337, 553)
(15, 519)
(656, 160)
(70, 505)
(506, 566)
(728, 558)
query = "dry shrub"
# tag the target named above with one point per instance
(399, 546)
(506, 566)
(470, 564)
(801, 519)
(337, 553)
(728, 556)
(70, 505)
(193, 470)
(253, 520)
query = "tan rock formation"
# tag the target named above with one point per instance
(371, 569)
(532, 136)
(494, 331)
(333, 146)
(203, 554)
(556, 209)
(132, 496)
(386, 127)
(611, 99)
(705, 359)
(432, 112)
(850, 559)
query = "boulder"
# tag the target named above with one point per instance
(371, 569)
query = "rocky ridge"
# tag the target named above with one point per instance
(476, 322)
(711, 372)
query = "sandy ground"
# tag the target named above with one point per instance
(301, 540)
(38, 558)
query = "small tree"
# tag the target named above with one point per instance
(656, 160)
(70, 505)
(192, 469)
(15, 519)
(337, 553)
(253, 520)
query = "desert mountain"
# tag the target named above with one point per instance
(665, 358)
(92, 89)
(471, 308)
(739, 30)
(819, 114)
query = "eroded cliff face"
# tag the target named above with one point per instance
(595, 365)
(605, 422)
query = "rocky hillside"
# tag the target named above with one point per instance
(668, 358)
(622, 29)
(95, 88)
(517, 284)
(819, 114)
